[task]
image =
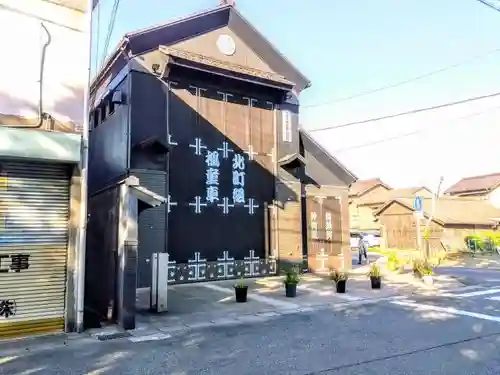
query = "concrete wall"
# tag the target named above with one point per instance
(23, 37)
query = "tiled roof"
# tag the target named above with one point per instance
(475, 183)
(361, 186)
(451, 210)
(381, 197)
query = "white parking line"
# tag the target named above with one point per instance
(494, 298)
(478, 293)
(464, 288)
(256, 297)
(449, 310)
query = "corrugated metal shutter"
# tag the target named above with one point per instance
(152, 236)
(34, 212)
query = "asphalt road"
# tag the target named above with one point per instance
(442, 335)
(372, 257)
(471, 275)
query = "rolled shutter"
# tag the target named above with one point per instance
(34, 212)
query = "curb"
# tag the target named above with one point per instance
(180, 329)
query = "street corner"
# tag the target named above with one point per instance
(194, 306)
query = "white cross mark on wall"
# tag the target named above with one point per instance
(251, 206)
(251, 264)
(171, 271)
(170, 141)
(225, 205)
(272, 263)
(225, 265)
(271, 154)
(197, 205)
(250, 152)
(321, 258)
(197, 267)
(225, 150)
(198, 146)
(170, 203)
(320, 199)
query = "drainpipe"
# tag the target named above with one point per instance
(41, 114)
(82, 232)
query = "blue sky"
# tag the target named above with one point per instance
(347, 47)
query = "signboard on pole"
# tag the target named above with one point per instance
(417, 204)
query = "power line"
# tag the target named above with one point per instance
(112, 20)
(399, 136)
(400, 83)
(419, 110)
(493, 4)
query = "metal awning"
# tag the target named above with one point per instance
(34, 144)
(292, 161)
(147, 196)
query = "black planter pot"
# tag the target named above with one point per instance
(341, 286)
(291, 290)
(376, 282)
(241, 293)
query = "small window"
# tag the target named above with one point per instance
(287, 126)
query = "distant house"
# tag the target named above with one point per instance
(363, 188)
(362, 209)
(362, 220)
(453, 220)
(485, 187)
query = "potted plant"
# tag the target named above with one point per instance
(340, 280)
(375, 276)
(241, 291)
(292, 277)
(394, 263)
(424, 270)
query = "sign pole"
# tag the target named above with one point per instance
(419, 237)
(417, 205)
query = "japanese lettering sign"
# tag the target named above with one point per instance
(14, 262)
(212, 162)
(238, 178)
(7, 308)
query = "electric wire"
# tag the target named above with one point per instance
(404, 82)
(490, 5)
(411, 112)
(109, 33)
(399, 136)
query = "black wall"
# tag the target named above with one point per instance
(155, 112)
(212, 231)
(108, 142)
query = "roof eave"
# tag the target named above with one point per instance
(353, 177)
(302, 83)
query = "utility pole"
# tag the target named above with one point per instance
(435, 199)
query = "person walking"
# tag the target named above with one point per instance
(362, 251)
